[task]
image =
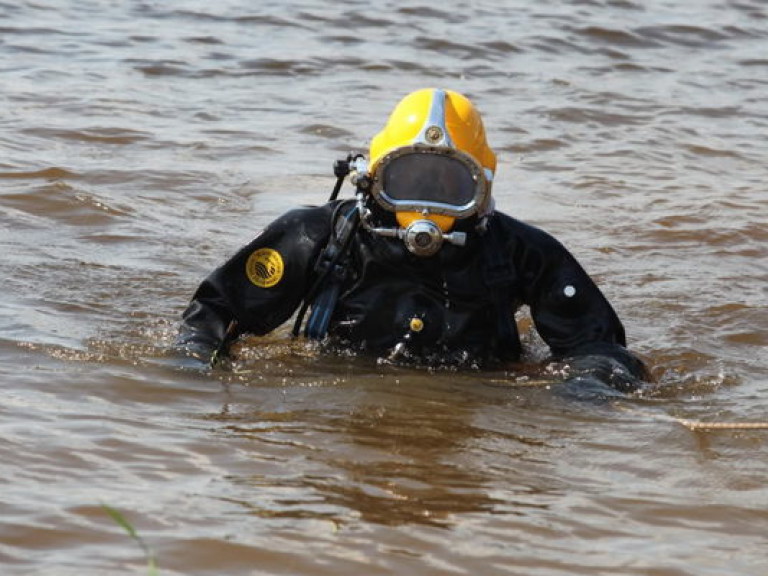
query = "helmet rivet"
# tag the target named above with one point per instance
(433, 134)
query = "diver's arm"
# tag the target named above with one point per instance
(258, 288)
(572, 315)
(206, 321)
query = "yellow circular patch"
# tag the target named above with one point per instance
(264, 267)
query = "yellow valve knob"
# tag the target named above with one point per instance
(417, 325)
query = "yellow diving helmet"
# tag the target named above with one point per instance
(430, 165)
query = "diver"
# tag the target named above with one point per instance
(418, 266)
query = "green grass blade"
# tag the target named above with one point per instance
(128, 527)
(120, 519)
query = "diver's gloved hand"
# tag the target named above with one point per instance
(602, 376)
(587, 387)
(195, 353)
(604, 369)
(611, 363)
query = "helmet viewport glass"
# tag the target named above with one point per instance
(432, 181)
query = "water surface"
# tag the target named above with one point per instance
(142, 143)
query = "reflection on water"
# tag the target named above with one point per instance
(393, 453)
(394, 488)
(143, 143)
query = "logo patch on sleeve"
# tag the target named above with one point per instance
(264, 267)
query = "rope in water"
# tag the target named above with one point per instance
(698, 425)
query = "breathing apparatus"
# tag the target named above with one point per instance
(430, 166)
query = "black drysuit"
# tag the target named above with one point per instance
(464, 297)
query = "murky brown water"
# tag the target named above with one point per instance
(141, 143)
